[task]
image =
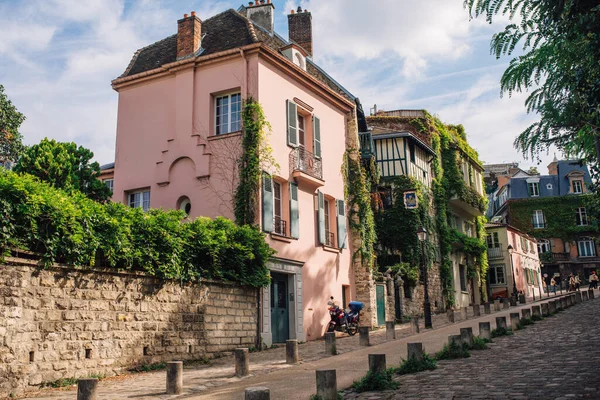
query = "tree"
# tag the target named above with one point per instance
(560, 64)
(64, 166)
(11, 145)
(533, 171)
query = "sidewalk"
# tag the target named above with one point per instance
(286, 382)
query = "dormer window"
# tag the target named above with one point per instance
(577, 186)
(295, 54)
(300, 61)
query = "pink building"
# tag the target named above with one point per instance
(179, 136)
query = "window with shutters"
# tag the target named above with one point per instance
(228, 113)
(329, 234)
(279, 224)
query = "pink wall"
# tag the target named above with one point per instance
(522, 260)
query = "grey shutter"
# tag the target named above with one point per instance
(267, 203)
(321, 217)
(294, 217)
(341, 224)
(292, 123)
(317, 136)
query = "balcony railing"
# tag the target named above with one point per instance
(367, 148)
(330, 239)
(561, 256)
(495, 252)
(305, 161)
(279, 226)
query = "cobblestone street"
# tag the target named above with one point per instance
(557, 358)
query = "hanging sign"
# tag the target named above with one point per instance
(410, 200)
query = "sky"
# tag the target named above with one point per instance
(58, 57)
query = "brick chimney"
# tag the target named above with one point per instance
(553, 167)
(262, 13)
(300, 29)
(189, 33)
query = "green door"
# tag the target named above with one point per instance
(380, 305)
(280, 323)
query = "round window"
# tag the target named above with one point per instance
(185, 205)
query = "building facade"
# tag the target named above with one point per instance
(554, 209)
(179, 135)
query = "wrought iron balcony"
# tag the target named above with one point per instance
(330, 239)
(495, 252)
(304, 161)
(367, 148)
(279, 226)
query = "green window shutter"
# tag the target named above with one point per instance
(321, 217)
(341, 224)
(292, 123)
(294, 216)
(317, 136)
(267, 203)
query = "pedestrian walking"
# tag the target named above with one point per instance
(553, 285)
(571, 283)
(577, 282)
(593, 280)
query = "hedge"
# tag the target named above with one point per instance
(70, 228)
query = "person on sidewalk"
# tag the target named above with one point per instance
(577, 282)
(593, 280)
(553, 285)
(571, 283)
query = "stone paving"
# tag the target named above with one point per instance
(207, 381)
(557, 358)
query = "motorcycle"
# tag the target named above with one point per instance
(345, 321)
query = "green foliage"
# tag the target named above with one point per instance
(70, 228)
(501, 332)
(561, 44)
(413, 365)
(453, 351)
(62, 382)
(149, 367)
(11, 145)
(64, 166)
(376, 381)
(256, 158)
(479, 343)
(562, 225)
(536, 318)
(410, 273)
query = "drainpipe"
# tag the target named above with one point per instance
(243, 55)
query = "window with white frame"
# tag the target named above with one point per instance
(468, 229)
(228, 110)
(496, 273)
(577, 186)
(140, 199)
(543, 246)
(109, 184)
(492, 240)
(581, 216)
(586, 247)
(538, 219)
(534, 189)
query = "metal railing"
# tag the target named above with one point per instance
(330, 239)
(279, 226)
(305, 161)
(495, 252)
(561, 256)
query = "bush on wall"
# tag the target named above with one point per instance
(73, 229)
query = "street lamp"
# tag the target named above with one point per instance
(422, 235)
(510, 251)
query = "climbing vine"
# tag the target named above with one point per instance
(257, 157)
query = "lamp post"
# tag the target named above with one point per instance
(510, 251)
(422, 235)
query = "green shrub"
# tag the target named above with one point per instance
(376, 381)
(70, 228)
(413, 365)
(526, 321)
(62, 382)
(501, 332)
(453, 351)
(479, 343)
(536, 318)
(149, 367)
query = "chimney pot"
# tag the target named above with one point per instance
(185, 15)
(299, 9)
(268, 1)
(193, 13)
(250, 4)
(292, 12)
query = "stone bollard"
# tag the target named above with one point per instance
(568, 301)
(496, 305)
(464, 314)
(513, 301)
(522, 298)
(450, 314)
(327, 384)
(455, 339)
(415, 350)
(591, 293)
(330, 347)
(257, 393)
(552, 306)
(390, 330)
(363, 335)
(536, 311)
(584, 296)
(515, 318)
(466, 336)
(291, 351)
(578, 297)
(526, 313)
(414, 324)
(377, 363)
(500, 322)
(505, 304)
(545, 309)
(175, 377)
(485, 330)
(563, 303)
(476, 310)
(86, 389)
(487, 308)
(242, 365)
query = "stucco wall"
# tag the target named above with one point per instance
(64, 323)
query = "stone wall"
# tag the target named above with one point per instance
(66, 323)
(414, 306)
